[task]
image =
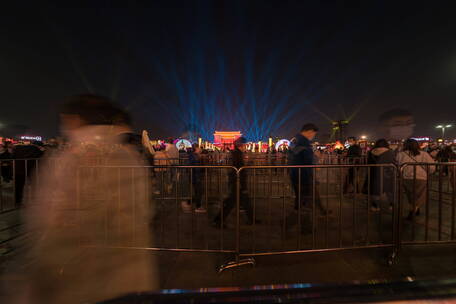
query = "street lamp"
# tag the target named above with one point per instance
(443, 127)
(363, 137)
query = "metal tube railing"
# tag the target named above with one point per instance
(337, 220)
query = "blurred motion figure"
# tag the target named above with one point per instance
(74, 227)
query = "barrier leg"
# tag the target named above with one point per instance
(238, 262)
(397, 217)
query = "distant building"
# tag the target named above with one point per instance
(226, 138)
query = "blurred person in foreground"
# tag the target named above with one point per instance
(75, 231)
(302, 179)
(396, 124)
(237, 158)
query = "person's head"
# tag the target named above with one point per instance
(397, 124)
(351, 140)
(241, 144)
(381, 143)
(85, 110)
(412, 146)
(309, 131)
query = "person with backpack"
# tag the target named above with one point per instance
(381, 178)
(415, 175)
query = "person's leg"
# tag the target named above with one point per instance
(228, 205)
(247, 206)
(197, 193)
(312, 197)
(296, 189)
(420, 196)
(349, 185)
(409, 193)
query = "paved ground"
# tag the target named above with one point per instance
(199, 270)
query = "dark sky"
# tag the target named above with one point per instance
(259, 66)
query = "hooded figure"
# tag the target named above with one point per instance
(80, 219)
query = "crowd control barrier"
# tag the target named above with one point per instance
(257, 210)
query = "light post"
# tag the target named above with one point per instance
(443, 127)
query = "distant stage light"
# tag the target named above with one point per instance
(283, 143)
(183, 144)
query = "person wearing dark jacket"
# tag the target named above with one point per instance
(302, 179)
(444, 156)
(354, 154)
(237, 157)
(381, 178)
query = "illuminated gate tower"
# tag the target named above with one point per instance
(226, 138)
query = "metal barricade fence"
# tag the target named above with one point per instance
(178, 205)
(263, 210)
(427, 203)
(15, 177)
(326, 218)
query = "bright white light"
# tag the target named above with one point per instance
(439, 127)
(37, 138)
(282, 142)
(449, 126)
(183, 144)
(363, 137)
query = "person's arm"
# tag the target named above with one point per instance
(146, 143)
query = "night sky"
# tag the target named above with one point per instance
(261, 67)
